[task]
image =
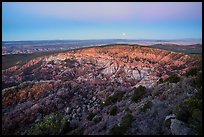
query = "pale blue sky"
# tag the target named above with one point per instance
(54, 21)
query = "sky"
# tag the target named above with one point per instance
(101, 20)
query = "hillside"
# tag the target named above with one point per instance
(112, 89)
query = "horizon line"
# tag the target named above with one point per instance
(101, 39)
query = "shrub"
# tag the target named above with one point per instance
(128, 110)
(29, 69)
(146, 106)
(91, 116)
(198, 80)
(116, 130)
(117, 96)
(123, 127)
(113, 110)
(53, 124)
(191, 72)
(194, 104)
(190, 111)
(182, 112)
(173, 78)
(160, 81)
(137, 59)
(138, 93)
(198, 94)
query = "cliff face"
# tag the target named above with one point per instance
(78, 82)
(128, 65)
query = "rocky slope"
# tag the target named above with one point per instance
(78, 83)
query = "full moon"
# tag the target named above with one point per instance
(124, 34)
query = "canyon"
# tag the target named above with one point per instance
(78, 82)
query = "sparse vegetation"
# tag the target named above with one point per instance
(91, 116)
(113, 110)
(173, 78)
(198, 80)
(21, 59)
(190, 111)
(137, 59)
(128, 110)
(138, 93)
(53, 124)
(146, 106)
(192, 72)
(117, 96)
(160, 81)
(28, 70)
(123, 126)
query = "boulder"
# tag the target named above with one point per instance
(178, 127)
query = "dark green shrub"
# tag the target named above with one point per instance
(117, 96)
(91, 116)
(128, 110)
(138, 93)
(185, 110)
(53, 124)
(29, 69)
(70, 62)
(190, 111)
(137, 59)
(198, 94)
(123, 127)
(146, 106)
(198, 80)
(113, 110)
(194, 104)
(116, 130)
(182, 112)
(173, 78)
(191, 72)
(160, 81)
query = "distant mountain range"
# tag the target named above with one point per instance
(24, 47)
(197, 41)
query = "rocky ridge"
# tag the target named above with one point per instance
(78, 82)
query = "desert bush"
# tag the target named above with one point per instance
(160, 81)
(91, 116)
(182, 112)
(117, 96)
(191, 72)
(173, 78)
(137, 59)
(53, 124)
(146, 106)
(194, 103)
(138, 93)
(29, 69)
(198, 80)
(113, 110)
(123, 127)
(190, 111)
(128, 110)
(198, 94)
